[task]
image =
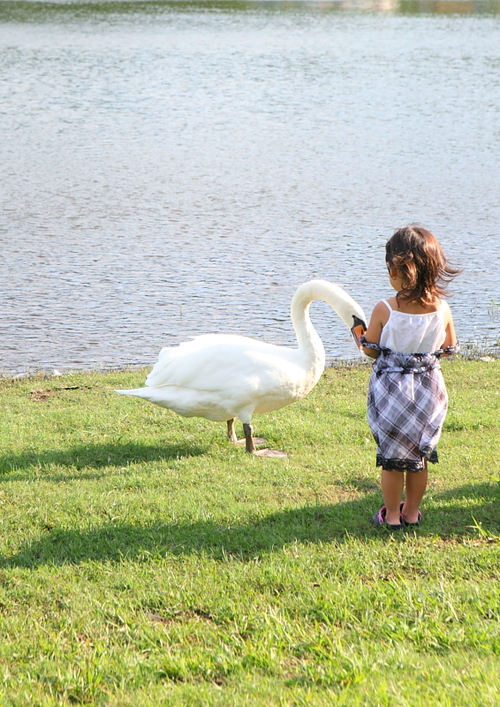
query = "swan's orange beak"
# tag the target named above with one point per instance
(358, 330)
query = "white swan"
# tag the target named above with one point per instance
(221, 377)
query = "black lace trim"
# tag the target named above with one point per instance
(406, 464)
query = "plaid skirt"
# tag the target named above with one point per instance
(407, 405)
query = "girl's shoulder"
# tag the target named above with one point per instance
(382, 311)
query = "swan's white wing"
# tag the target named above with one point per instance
(162, 371)
(215, 362)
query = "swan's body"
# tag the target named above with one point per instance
(221, 377)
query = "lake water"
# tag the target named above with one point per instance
(176, 168)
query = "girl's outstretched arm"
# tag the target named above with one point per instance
(379, 318)
(451, 337)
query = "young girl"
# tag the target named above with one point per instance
(407, 399)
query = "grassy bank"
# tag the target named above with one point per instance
(145, 561)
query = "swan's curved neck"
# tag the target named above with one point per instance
(307, 337)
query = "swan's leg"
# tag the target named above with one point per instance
(231, 433)
(250, 444)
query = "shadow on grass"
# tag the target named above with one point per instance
(310, 524)
(118, 542)
(97, 456)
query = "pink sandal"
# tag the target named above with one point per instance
(379, 519)
(405, 522)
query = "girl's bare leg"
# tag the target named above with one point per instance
(392, 490)
(416, 483)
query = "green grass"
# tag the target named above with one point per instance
(145, 561)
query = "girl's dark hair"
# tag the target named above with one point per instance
(419, 258)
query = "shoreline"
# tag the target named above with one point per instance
(468, 353)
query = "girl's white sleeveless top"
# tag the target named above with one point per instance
(414, 333)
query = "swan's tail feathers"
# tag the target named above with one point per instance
(136, 392)
(152, 395)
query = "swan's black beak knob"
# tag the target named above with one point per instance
(358, 329)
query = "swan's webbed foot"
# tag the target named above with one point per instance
(269, 453)
(250, 445)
